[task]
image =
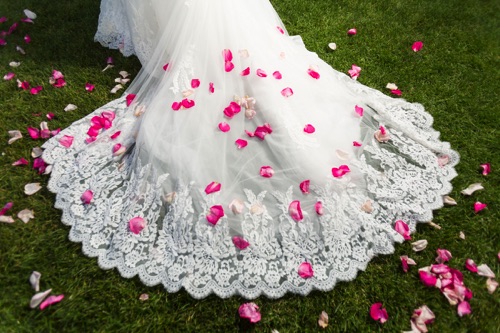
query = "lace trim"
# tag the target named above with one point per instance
(178, 248)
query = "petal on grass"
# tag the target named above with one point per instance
(378, 313)
(6, 219)
(484, 270)
(26, 215)
(419, 245)
(491, 285)
(35, 280)
(70, 107)
(464, 309)
(449, 201)
(32, 188)
(250, 311)
(51, 300)
(323, 320)
(479, 206)
(471, 265)
(472, 188)
(14, 136)
(486, 168)
(20, 162)
(38, 298)
(417, 46)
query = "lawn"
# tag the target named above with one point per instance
(455, 76)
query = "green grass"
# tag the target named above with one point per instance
(455, 76)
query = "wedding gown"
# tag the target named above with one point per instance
(177, 200)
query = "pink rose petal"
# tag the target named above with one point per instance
(187, 103)
(240, 143)
(9, 76)
(36, 90)
(115, 135)
(405, 262)
(165, 67)
(250, 311)
(417, 46)
(471, 265)
(240, 242)
(280, 29)
(287, 92)
(195, 83)
(319, 208)
(356, 144)
(89, 87)
(261, 73)
(213, 187)
(305, 270)
(136, 225)
(378, 313)
(440, 269)
(312, 73)
(176, 106)
(486, 168)
(130, 98)
(359, 110)
(478, 206)
(51, 300)
(464, 309)
(34, 133)
(277, 75)
(266, 171)
(354, 72)
(211, 87)
(295, 211)
(27, 39)
(340, 171)
(443, 256)
(215, 214)
(224, 127)
(381, 135)
(403, 229)
(396, 92)
(352, 32)
(66, 141)
(21, 161)
(309, 129)
(87, 197)
(245, 72)
(262, 131)
(484, 270)
(427, 278)
(304, 186)
(6, 208)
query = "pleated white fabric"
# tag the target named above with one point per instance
(155, 166)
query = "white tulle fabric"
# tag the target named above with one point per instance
(173, 155)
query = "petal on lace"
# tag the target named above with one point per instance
(304, 186)
(266, 171)
(306, 270)
(295, 211)
(187, 103)
(240, 242)
(340, 171)
(195, 83)
(479, 206)
(309, 129)
(319, 208)
(228, 66)
(136, 225)
(66, 141)
(237, 206)
(240, 143)
(130, 98)
(356, 144)
(51, 300)
(176, 106)
(250, 311)
(403, 229)
(213, 187)
(215, 214)
(87, 197)
(378, 313)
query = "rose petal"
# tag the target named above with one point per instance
(484, 270)
(26, 215)
(137, 224)
(464, 309)
(89, 87)
(323, 320)
(354, 72)
(478, 206)
(319, 208)
(6, 219)
(287, 92)
(440, 269)
(240, 242)
(224, 127)
(36, 90)
(165, 67)
(213, 187)
(87, 197)
(419, 245)
(342, 155)
(51, 300)
(66, 141)
(359, 110)
(38, 298)
(305, 270)
(295, 211)
(443, 256)
(396, 92)
(266, 171)
(309, 129)
(405, 262)
(449, 201)
(250, 311)
(428, 279)
(391, 86)
(215, 214)
(381, 135)
(236, 206)
(32, 188)
(29, 14)
(211, 87)
(261, 73)
(491, 285)
(240, 143)
(195, 83)
(367, 207)
(486, 168)
(312, 73)
(9, 76)
(20, 162)
(417, 46)
(35, 280)
(277, 75)
(70, 107)
(356, 144)
(378, 313)
(143, 297)
(304, 186)
(14, 136)
(472, 188)
(262, 131)
(245, 72)
(124, 74)
(340, 171)
(352, 32)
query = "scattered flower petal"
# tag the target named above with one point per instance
(32, 188)
(26, 215)
(224, 127)
(443, 256)
(240, 242)
(240, 143)
(277, 75)
(352, 32)
(359, 110)
(9, 76)
(472, 188)
(332, 46)
(87, 197)
(484, 270)
(29, 14)
(304, 186)
(213, 187)
(381, 135)
(250, 311)
(318, 207)
(354, 72)
(464, 309)
(70, 107)
(20, 162)
(312, 73)
(396, 92)
(391, 86)
(35, 280)
(38, 298)
(323, 320)
(486, 168)
(417, 46)
(195, 83)
(340, 171)
(266, 171)
(449, 201)
(405, 262)
(367, 207)
(236, 206)
(14, 64)
(428, 278)
(356, 144)
(66, 141)
(403, 229)
(295, 211)
(478, 206)
(143, 297)
(6, 219)
(137, 224)
(491, 285)
(461, 235)
(51, 300)
(309, 129)
(306, 270)
(422, 317)
(6, 208)
(215, 214)
(211, 87)
(14, 136)
(378, 313)
(89, 87)
(36, 90)
(419, 245)
(287, 92)
(20, 50)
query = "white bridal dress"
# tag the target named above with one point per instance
(159, 183)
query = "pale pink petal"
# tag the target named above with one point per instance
(240, 242)
(417, 46)
(9, 76)
(236, 206)
(405, 262)
(352, 32)
(89, 87)
(51, 300)
(240, 143)
(312, 73)
(340, 171)
(484, 270)
(266, 171)
(464, 309)
(381, 135)
(250, 311)
(305, 270)
(403, 229)
(35, 280)
(354, 71)
(443, 160)
(359, 110)
(323, 320)
(14, 136)
(356, 144)
(137, 224)
(287, 92)
(250, 113)
(277, 75)
(419, 245)
(87, 197)
(443, 256)
(215, 214)
(213, 187)
(319, 208)
(295, 211)
(309, 129)
(422, 317)
(195, 83)
(261, 73)
(378, 313)
(304, 186)
(479, 206)
(224, 127)
(491, 285)
(440, 269)
(66, 141)
(20, 162)
(143, 297)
